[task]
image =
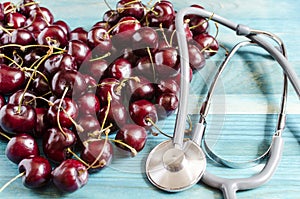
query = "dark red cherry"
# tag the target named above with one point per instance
(63, 62)
(71, 109)
(73, 80)
(56, 144)
(88, 104)
(108, 85)
(2, 101)
(133, 135)
(208, 43)
(37, 172)
(119, 69)
(125, 28)
(41, 122)
(167, 86)
(52, 35)
(89, 124)
(111, 16)
(64, 26)
(95, 68)
(2, 15)
(117, 115)
(166, 62)
(12, 79)
(131, 8)
(144, 67)
(25, 8)
(70, 175)
(168, 101)
(22, 37)
(196, 57)
(102, 24)
(144, 38)
(40, 86)
(142, 89)
(99, 40)
(15, 20)
(35, 25)
(42, 12)
(142, 110)
(17, 119)
(26, 98)
(198, 25)
(79, 50)
(99, 151)
(31, 57)
(20, 147)
(161, 13)
(78, 34)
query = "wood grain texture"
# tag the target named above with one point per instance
(250, 87)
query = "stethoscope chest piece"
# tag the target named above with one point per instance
(175, 169)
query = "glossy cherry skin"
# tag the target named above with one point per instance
(15, 20)
(22, 37)
(196, 57)
(73, 80)
(102, 24)
(99, 150)
(142, 110)
(119, 69)
(42, 12)
(37, 172)
(133, 135)
(40, 86)
(71, 109)
(166, 62)
(2, 101)
(89, 123)
(79, 50)
(41, 122)
(144, 67)
(111, 16)
(56, 144)
(35, 25)
(55, 33)
(88, 104)
(78, 33)
(12, 79)
(124, 29)
(95, 68)
(25, 8)
(64, 26)
(144, 38)
(62, 62)
(15, 121)
(168, 101)
(2, 15)
(207, 42)
(117, 115)
(17, 97)
(108, 85)
(163, 13)
(131, 8)
(20, 147)
(167, 86)
(70, 175)
(99, 40)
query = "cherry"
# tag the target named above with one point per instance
(17, 119)
(88, 104)
(40, 85)
(108, 85)
(97, 152)
(20, 147)
(141, 111)
(15, 20)
(207, 42)
(133, 135)
(37, 171)
(78, 34)
(52, 35)
(25, 8)
(70, 175)
(71, 111)
(73, 80)
(119, 69)
(41, 122)
(89, 123)
(142, 89)
(161, 13)
(43, 13)
(12, 79)
(56, 144)
(22, 37)
(102, 24)
(111, 16)
(2, 101)
(20, 96)
(35, 25)
(196, 57)
(167, 86)
(144, 67)
(166, 62)
(168, 101)
(58, 62)
(131, 8)
(124, 29)
(2, 15)
(31, 57)
(99, 40)
(198, 25)
(95, 68)
(117, 115)
(64, 26)
(143, 38)
(79, 50)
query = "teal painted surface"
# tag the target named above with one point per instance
(240, 136)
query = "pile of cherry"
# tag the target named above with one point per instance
(74, 89)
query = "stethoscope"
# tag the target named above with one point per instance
(177, 164)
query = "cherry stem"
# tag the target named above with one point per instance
(6, 30)
(4, 135)
(40, 97)
(164, 35)
(100, 154)
(58, 112)
(23, 48)
(10, 8)
(47, 22)
(11, 181)
(78, 127)
(11, 60)
(101, 57)
(106, 3)
(22, 61)
(36, 71)
(97, 134)
(132, 150)
(120, 23)
(109, 98)
(157, 128)
(77, 157)
(122, 83)
(152, 63)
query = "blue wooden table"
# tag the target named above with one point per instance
(243, 115)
